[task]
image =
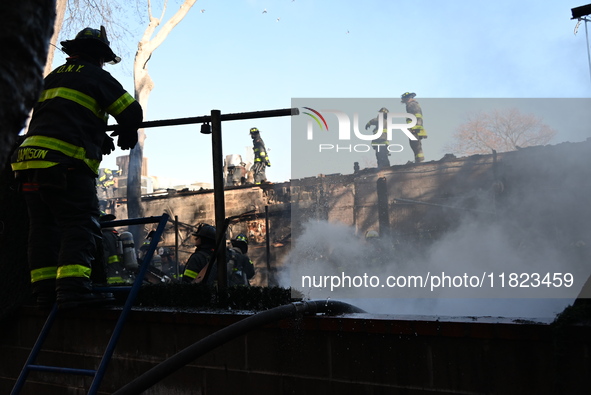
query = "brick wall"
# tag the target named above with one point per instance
(313, 355)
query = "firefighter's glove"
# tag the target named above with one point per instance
(108, 146)
(268, 164)
(127, 139)
(367, 126)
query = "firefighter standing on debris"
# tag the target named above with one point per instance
(57, 165)
(106, 178)
(261, 159)
(198, 262)
(380, 144)
(106, 182)
(413, 107)
(240, 267)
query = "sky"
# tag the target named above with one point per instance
(234, 57)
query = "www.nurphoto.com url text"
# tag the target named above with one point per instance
(435, 281)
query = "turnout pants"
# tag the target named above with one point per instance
(259, 172)
(64, 231)
(382, 154)
(417, 148)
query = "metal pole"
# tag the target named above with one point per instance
(224, 117)
(268, 240)
(220, 205)
(176, 247)
(587, 40)
(383, 207)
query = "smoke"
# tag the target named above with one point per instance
(526, 259)
(328, 249)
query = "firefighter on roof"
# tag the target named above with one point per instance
(380, 144)
(413, 107)
(261, 159)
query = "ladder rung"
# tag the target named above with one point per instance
(57, 369)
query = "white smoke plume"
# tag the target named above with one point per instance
(538, 225)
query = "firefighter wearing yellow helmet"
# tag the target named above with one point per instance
(372, 234)
(240, 267)
(261, 159)
(413, 107)
(377, 251)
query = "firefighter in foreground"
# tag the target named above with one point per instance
(380, 144)
(58, 162)
(413, 107)
(198, 263)
(261, 159)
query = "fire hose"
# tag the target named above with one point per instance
(203, 346)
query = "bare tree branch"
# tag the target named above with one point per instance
(499, 130)
(143, 86)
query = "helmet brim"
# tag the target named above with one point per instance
(240, 244)
(72, 47)
(107, 217)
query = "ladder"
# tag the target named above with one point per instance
(133, 290)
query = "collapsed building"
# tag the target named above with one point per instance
(534, 194)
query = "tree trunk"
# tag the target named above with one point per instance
(143, 86)
(24, 37)
(61, 6)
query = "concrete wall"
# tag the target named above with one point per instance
(314, 355)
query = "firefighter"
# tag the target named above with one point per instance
(58, 162)
(154, 273)
(116, 273)
(413, 107)
(198, 263)
(371, 236)
(380, 144)
(377, 253)
(143, 250)
(261, 159)
(168, 262)
(106, 178)
(106, 183)
(240, 267)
